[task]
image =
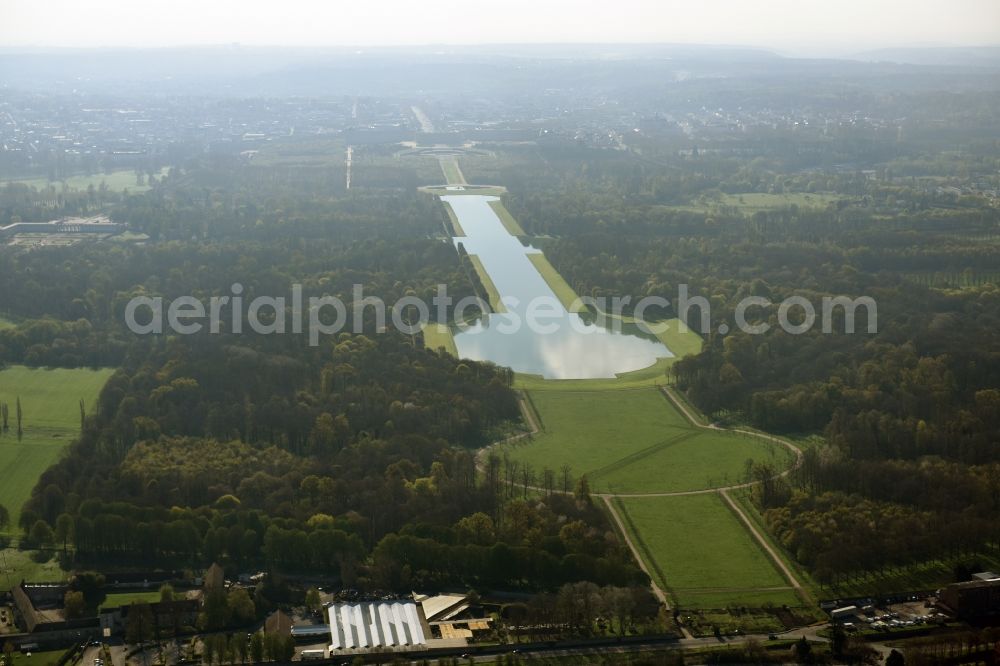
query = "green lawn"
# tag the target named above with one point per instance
(678, 338)
(635, 442)
(742, 498)
(6, 323)
(125, 598)
(691, 461)
(701, 553)
(50, 403)
(452, 172)
(439, 336)
(32, 566)
(509, 223)
(48, 658)
(116, 180)
(565, 293)
(585, 429)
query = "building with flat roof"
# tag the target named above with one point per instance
(972, 599)
(99, 224)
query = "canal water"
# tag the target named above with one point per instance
(564, 345)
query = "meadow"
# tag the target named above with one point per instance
(30, 565)
(585, 429)
(565, 293)
(452, 172)
(439, 336)
(701, 553)
(509, 223)
(118, 181)
(50, 403)
(634, 441)
(693, 460)
(127, 598)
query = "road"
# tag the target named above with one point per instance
(657, 591)
(765, 544)
(810, 634)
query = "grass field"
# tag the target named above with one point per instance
(584, 429)
(126, 598)
(437, 336)
(565, 293)
(690, 461)
(116, 180)
(452, 172)
(635, 442)
(701, 553)
(742, 498)
(50, 403)
(509, 223)
(48, 658)
(6, 323)
(32, 566)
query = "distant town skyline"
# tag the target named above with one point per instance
(808, 27)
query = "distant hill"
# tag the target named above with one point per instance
(952, 56)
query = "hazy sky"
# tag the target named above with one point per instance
(792, 25)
